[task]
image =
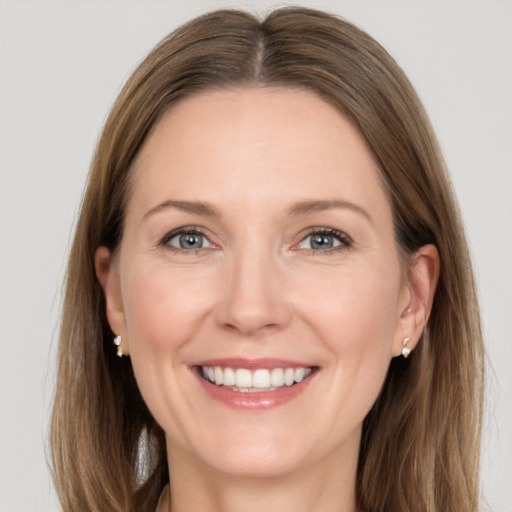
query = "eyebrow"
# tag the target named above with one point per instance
(197, 207)
(298, 209)
(306, 207)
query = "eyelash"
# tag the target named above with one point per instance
(345, 242)
(188, 230)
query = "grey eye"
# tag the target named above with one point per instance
(189, 241)
(320, 241)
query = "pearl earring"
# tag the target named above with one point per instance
(117, 343)
(406, 351)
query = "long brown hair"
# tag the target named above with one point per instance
(420, 447)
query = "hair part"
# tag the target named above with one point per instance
(420, 448)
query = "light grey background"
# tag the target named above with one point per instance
(62, 64)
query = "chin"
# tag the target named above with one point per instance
(253, 456)
(256, 465)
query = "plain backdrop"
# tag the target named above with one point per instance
(61, 66)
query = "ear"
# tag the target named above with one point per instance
(107, 273)
(422, 277)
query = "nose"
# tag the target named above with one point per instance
(253, 298)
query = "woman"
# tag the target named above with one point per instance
(270, 244)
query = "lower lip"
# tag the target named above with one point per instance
(254, 401)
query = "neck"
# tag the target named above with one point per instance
(324, 486)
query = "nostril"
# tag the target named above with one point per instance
(251, 328)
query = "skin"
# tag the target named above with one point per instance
(258, 289)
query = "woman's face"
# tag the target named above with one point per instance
(258, 250)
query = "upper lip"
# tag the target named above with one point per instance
(250, 364)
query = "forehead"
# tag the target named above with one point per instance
(249, 143)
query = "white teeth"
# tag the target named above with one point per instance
(289, 376)
(243, 378)
(261, 379)
(251, 390)
(218, 376)
(250, 381)
(277, 377)
(229, 377)
(299, 374)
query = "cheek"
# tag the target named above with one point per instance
(162, 308)
(355, 317)
(163, 314)
(355, 320)
(356, 311)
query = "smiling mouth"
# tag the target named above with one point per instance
(257, 380)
